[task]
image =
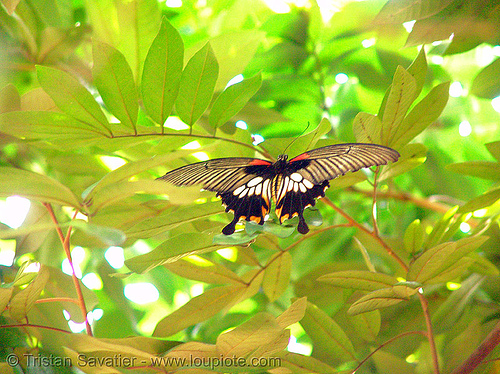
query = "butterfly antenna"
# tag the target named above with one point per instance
(293, 141)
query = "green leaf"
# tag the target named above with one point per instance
(277, 275)
(359, 280)
(293, 314)
(115, 82)
(382, 298)
(428, 264)
(172, 250)
(401, 96)
(487, 83)
(232, 100)
(162, 73)
(199, 308)
(327, 335)
(203, 270)
(197, 85)
(422, 115)
(24, 300)
(246, 338)
(72, 98)
(483, 201)
(481, 169)
(367, 128)
(36, 187)
(414, 237)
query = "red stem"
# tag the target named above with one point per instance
(67, 251)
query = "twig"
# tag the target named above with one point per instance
(384, 344)
(57, 299)
(374, 202)
(24, 325)
(67, 251)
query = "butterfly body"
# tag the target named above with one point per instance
(247, 186)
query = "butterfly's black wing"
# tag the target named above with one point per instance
(307, 175)
(243, 184)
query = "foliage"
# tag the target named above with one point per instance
(400, 270)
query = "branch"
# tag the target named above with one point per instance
(354, 223)
(403, 196)
(429, 334)
(488, 344)
(199, 136)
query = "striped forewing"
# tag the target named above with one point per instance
(219, 175)
(329, 162)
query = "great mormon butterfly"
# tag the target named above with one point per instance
(247, 185)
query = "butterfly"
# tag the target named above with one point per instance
(246, 186)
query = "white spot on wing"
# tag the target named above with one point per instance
(303, 188)
(254, 181)
(296, 177)
(237, 191)
(251, 191)
(258, 189)
(295, 186)
(245, 191)
(308, 184)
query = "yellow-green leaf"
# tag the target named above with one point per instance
(414, 237)
(197, 85)
(203, 270)
(359, 280)
(277, 275)
(5, 295)
(246, 338)
(23, 301)
(35, 187)
(375, 300)
(327, 335)
(72, 98)
(294, 313)
(232, 100)
(401, 96)
(162, 73)
(429, 262)
(115, 82)
(199, 308)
